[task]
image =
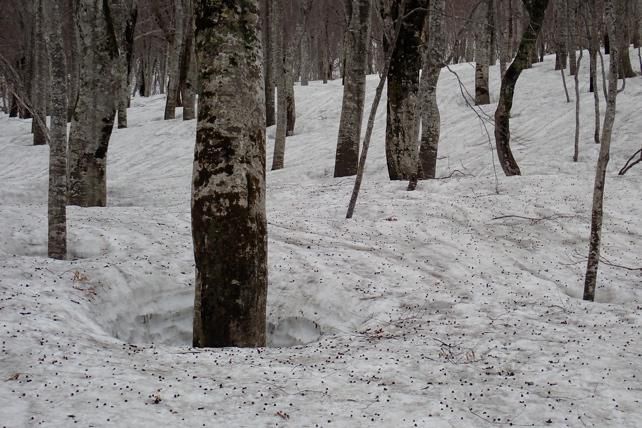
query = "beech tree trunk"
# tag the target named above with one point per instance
(174, 61)
(536, 10)
(403, 88)
(482, 58)
(354, 89)
(39, 94)
(57, 198)
(93, 117)
(268, 61)
(603, 160)
(126, 13)
(289, 88)
(229, 223)
(188, 67)
(624, 11)
(278, 158)
(433, 58)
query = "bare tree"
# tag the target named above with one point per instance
(603, 160)
(95, 109)
(433, 60)
(483, 54)
(229, 225)
(402, 121)
(354, 88)
(536, 10)
(57, 204)
(280, 76)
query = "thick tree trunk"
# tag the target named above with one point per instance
(536, 10)
(304, 51)
(561, 34)
(93, 117)
(572, 20)
(624, 13)
(354, 90)
(57, 200)
(603, 160)
(433, 58)
(229, 224)
(403, 88)
(174, 61)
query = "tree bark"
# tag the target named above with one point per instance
(603, 160)
(536, 10)
(268, 61)
(126, 14)
(403, 88)
(576, 151)
(354, 89)
(174, 61)
(39, 94)
(93, 117)
(278, 159)
(482, 58)
(188, 68)
(433, 59)
(229, 224)
(57, 196)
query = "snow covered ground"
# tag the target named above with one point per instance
(423, 310)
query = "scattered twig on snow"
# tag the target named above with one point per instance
(535, 219)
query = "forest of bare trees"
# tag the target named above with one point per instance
(80, 62)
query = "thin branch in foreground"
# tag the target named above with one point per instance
(631, 162)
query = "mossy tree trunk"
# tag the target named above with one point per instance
(229, 224)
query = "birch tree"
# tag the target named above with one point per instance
(229, 224)
(603, 160)
(354, 88)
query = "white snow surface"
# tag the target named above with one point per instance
(423, 310)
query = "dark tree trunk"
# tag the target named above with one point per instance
(229, 224)
(403, 87)
(268, 62)
(536, 10)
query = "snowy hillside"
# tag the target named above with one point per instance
(426, 309)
